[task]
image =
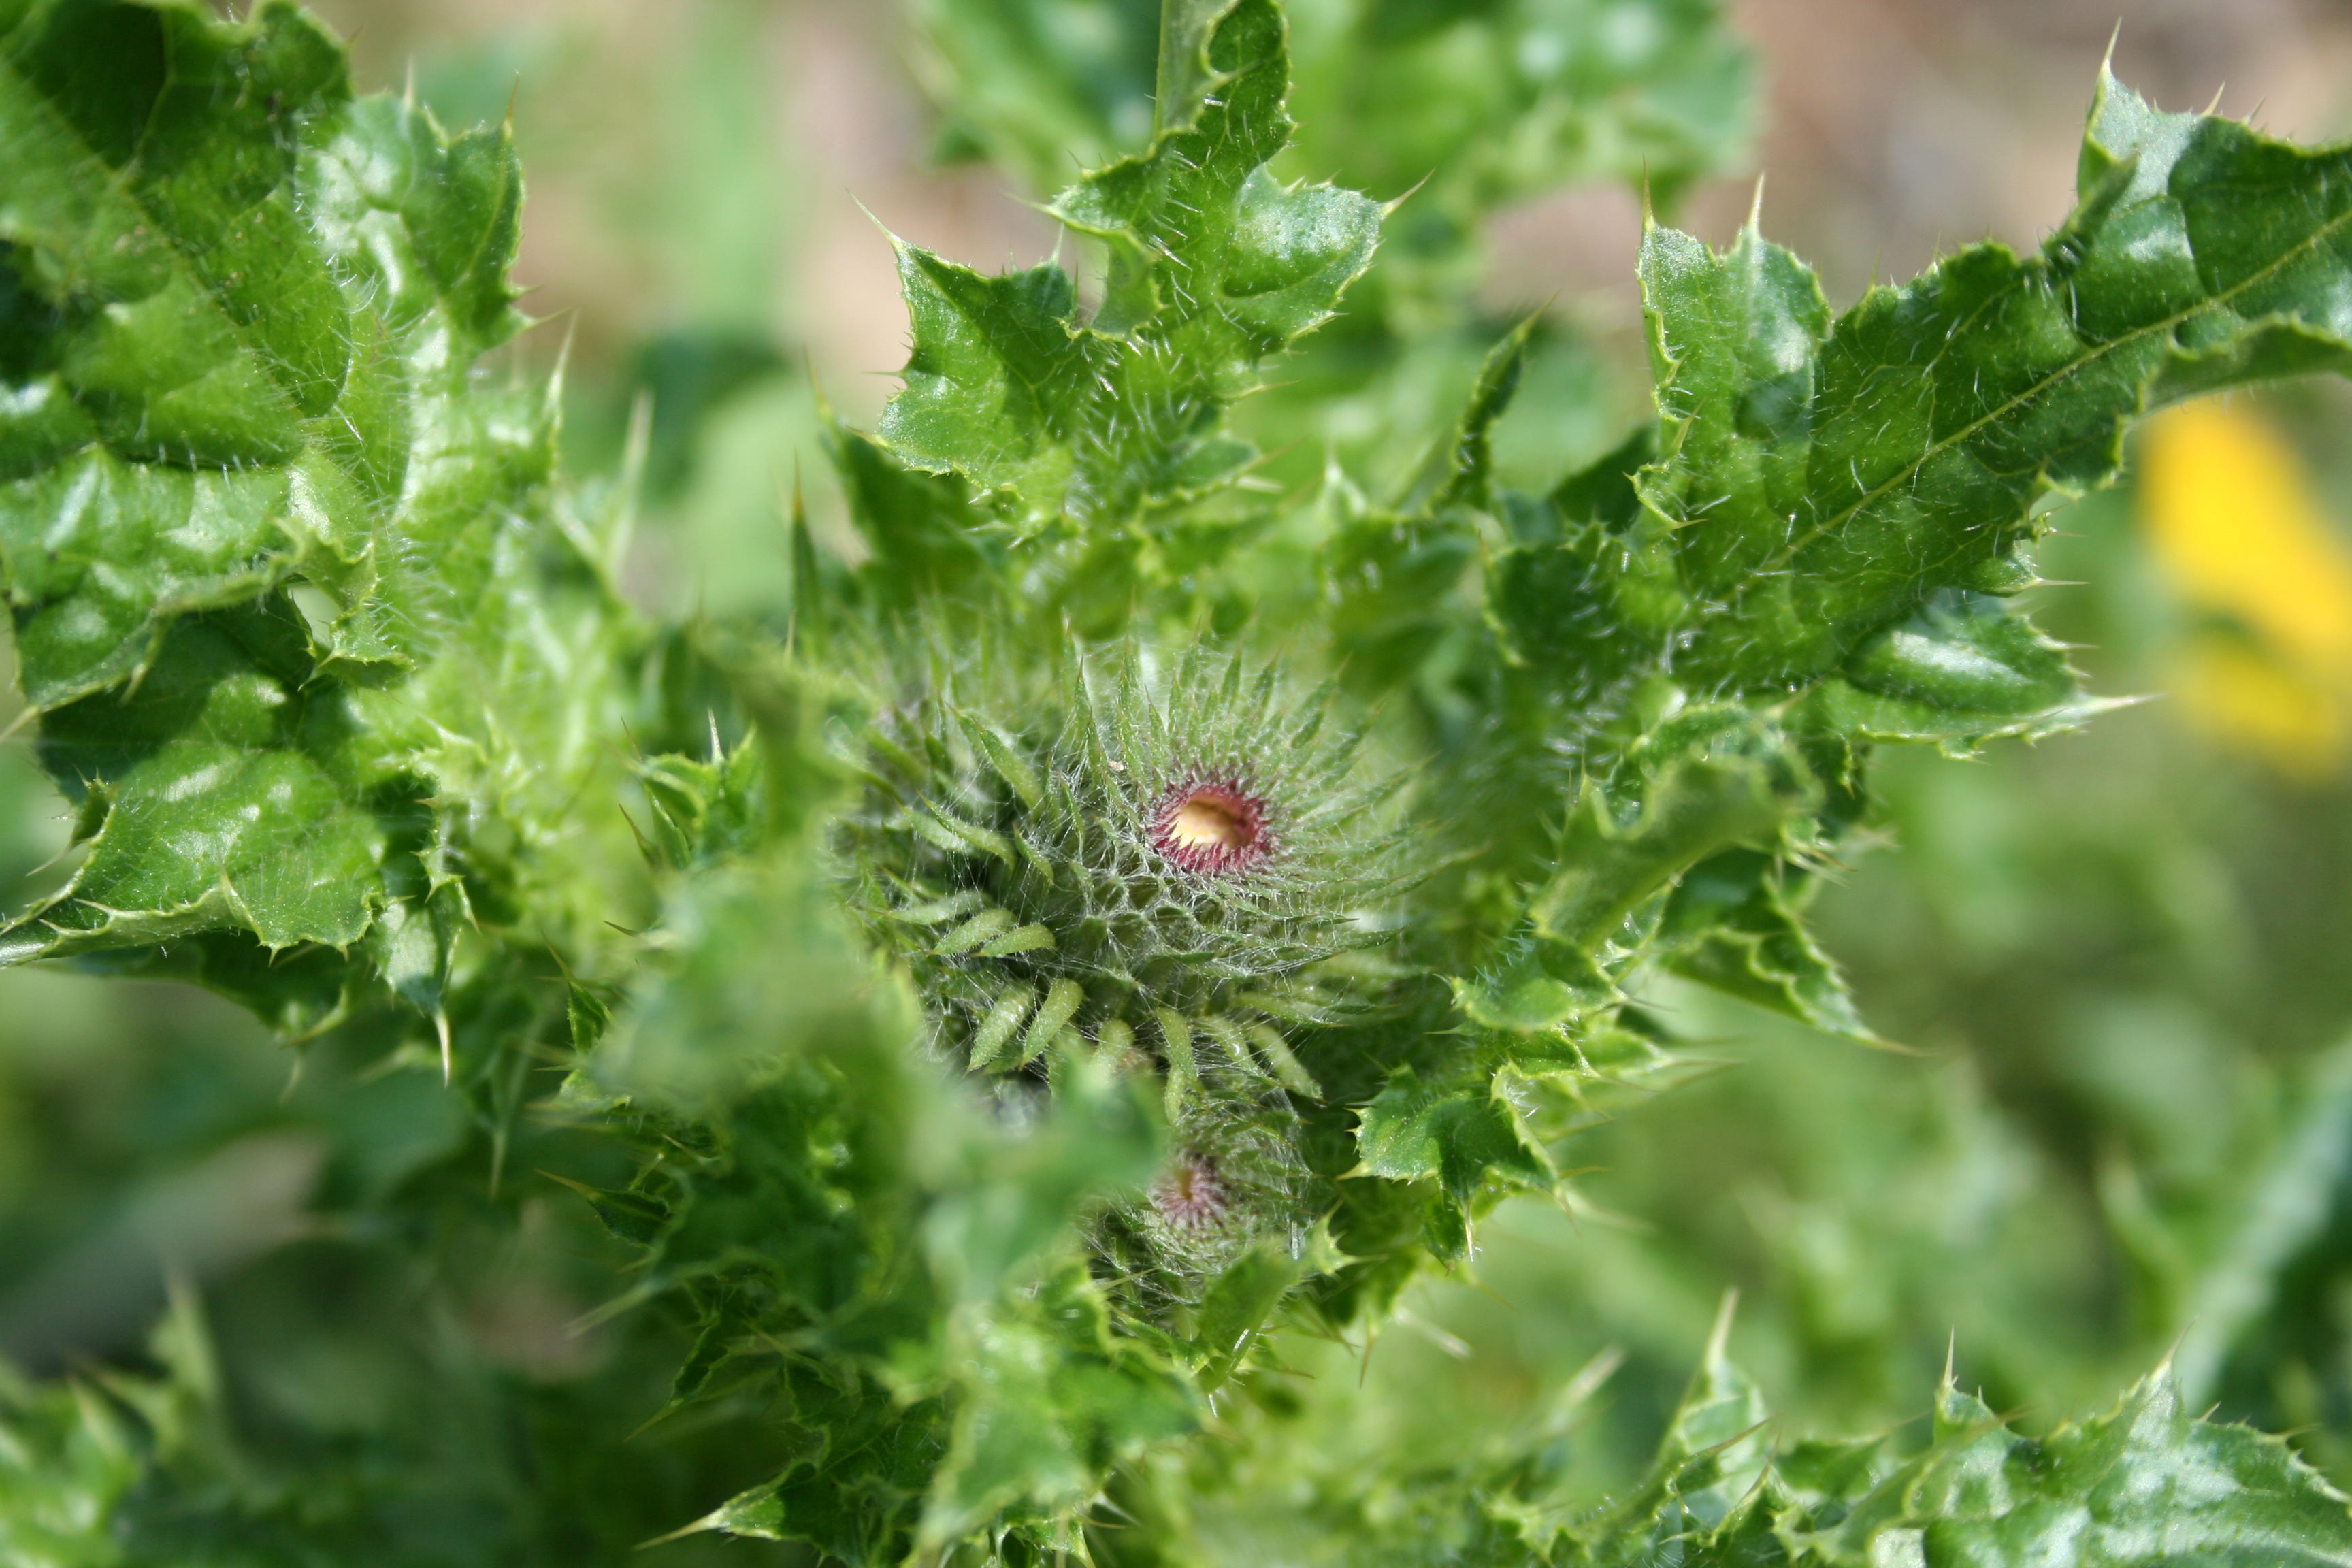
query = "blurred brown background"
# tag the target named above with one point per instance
(1893, 127)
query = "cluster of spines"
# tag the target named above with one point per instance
(1232, 1185)
(1157, 879)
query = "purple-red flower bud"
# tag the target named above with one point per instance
(1212, 828)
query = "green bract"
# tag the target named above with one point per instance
(1127, 918)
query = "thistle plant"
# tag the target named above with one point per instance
(1128, 918)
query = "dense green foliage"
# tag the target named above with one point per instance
(981, 1031)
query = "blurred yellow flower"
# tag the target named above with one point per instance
(2239, 534)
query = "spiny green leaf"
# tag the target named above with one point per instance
(266, 297)
(1214, 267)
(1716, 1448)
(1718, 779)
(216, 815)
(1740, 913)
(2143, 1486)
(851, 1498)
(1830, 512)
(1417, 1132)
(1964, 668)
(256, 302)
(2146, 1483)
(1820, 482)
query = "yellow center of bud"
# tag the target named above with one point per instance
(1204, 824)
